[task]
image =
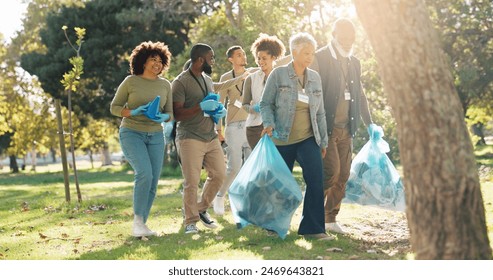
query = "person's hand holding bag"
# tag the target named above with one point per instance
(268, 130)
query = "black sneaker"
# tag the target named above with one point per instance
(206, 220)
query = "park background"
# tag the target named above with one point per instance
(35, 208)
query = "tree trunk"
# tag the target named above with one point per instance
(234, 20)
(33, 159)
(14, 167)
(478, 130)
(53, 154)
(445, 208)
(105, 155)
(63, 151)
(91, 159)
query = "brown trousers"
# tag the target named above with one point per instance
(337, 165)
(253, 135)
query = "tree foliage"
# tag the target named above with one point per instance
(113, 29)
(466, 29)
(236, 22)
(26, 119)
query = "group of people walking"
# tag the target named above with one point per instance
(310, 103)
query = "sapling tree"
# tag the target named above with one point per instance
(70, 83)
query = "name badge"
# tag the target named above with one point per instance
(238, 103)
(303, 98)
(347, 95)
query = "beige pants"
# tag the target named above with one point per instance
(337, 165)
(194, 154)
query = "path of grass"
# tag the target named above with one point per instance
(36, 223)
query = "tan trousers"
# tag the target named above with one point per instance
(337, 165)
(194, 154)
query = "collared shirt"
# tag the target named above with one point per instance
(234, 97)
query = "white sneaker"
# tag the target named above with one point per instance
(334, 227)
(219, 205)
(149, 231)
(139, 229)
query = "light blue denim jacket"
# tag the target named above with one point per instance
(278, 104)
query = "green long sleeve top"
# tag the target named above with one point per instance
(135, 91)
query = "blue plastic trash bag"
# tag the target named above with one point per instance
(373, 179)
(264, 192)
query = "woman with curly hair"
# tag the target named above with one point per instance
(141, 129)
(266, 50)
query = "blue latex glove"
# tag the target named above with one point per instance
(209, 105)
(168, 131)
(212, 96)
(140, 110)
(161, 117)
(219, 115)
(213, 112)
(256, 108)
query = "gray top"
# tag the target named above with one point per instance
(186, 90)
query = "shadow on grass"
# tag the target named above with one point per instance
(229, 243)
(232, 244)
(84, 176)
(104, 233)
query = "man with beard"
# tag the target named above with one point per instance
(345, 103)
(196, 139)
(237, 150)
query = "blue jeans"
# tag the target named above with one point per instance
(308, 154)
(145, 153)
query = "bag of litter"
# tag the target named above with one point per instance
(373, 179)
(264, 192)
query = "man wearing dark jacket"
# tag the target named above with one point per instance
(345, 103)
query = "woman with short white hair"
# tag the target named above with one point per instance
(294, 116)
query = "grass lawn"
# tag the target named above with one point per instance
(37, 224)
